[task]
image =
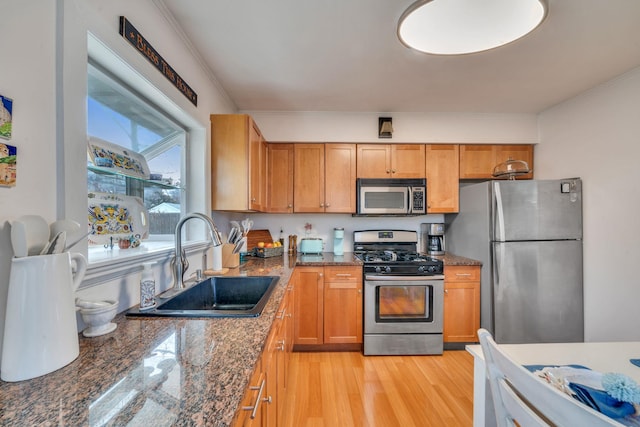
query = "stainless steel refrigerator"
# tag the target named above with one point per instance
(528, 235)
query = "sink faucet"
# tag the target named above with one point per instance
(180, 259)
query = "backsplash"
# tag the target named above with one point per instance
(322, 224)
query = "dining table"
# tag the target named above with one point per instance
(605, 357)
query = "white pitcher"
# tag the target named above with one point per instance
(40, 330)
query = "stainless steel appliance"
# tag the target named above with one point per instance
(432, 239)
(528, 235)
(403, 294)
(391, 196)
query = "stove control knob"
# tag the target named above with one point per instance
(387, 269)
(432, 269)
(378, 270)
(421, 269)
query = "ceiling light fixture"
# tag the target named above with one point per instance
(455, 27)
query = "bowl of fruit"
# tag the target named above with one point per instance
(268, 249)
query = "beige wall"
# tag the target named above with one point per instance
(596, 136)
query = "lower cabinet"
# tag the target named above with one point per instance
(328, 305)
(461, 303)
(263, 402)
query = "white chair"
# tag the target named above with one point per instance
(520, 396)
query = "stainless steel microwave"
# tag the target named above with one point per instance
(392, 196)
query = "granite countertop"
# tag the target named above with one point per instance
(157, 371)
(451, 259)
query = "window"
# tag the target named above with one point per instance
(118, 115)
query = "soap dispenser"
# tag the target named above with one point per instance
(147, 288)
(338, 240)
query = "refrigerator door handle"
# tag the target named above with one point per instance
(499, 214)
(498, 260)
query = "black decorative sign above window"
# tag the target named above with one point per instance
(129, 32)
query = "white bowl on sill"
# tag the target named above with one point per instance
(98, 316)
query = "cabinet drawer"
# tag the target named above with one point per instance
(462, 273)
(343, 274)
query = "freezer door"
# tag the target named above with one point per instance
(537, 210)
(537, 292)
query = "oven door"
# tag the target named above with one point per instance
(403, 304)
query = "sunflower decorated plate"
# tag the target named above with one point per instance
(116, 216)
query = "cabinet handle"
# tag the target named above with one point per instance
(289, 205)
(343, 274)
(254, 408)
(393, 171)
(280, 345)
(322, 205)
(463, 274)
(388, 171)
(327, 205)
(446, 291)
(280, 315)
(253, 199)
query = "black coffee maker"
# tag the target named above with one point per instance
(432, 235)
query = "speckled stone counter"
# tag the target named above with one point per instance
(451, 259)
(153, 371)
(327, 258)
(158, 371)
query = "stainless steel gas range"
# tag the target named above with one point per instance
(403, 294)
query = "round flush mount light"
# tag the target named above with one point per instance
(455, 27)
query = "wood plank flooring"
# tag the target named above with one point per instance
(349, 389)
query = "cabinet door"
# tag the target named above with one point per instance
(516, 152)
(309, 178)
(461, 303)
(280, 178)
(476, 161)
(257, 168)
(343, 305)
(229, 162)
(442, 171)
(373, 160)
(308, 289)
(246, 415)
(407, 161)
(340, 178)
(270, 368)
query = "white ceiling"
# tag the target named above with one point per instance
(343, 55)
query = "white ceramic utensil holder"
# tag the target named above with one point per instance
(41, 332)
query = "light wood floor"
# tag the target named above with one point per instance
(349, 389)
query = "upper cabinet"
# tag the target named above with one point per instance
(324, 178)
(280, 178)
(442, 178)
(391, 160)
(238, 163)
(478, 160)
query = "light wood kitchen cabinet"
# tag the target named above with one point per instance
(342, 305)
(280, 178)
(461, 303)
(328, 305)
(238, 163)
(442, 172)
(478, 160)
(391, 160)
(267, 387)
(308, 285)
(324, 178)
(252, 407)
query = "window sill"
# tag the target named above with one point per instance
(110, 264)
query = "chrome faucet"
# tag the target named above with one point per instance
(180, 258)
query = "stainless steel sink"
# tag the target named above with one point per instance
(233, 296)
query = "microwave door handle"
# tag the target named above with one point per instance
(410, 204)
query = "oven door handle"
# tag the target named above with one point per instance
(389, 278)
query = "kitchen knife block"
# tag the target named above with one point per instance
(229, 259)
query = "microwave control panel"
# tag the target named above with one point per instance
(418, 200)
